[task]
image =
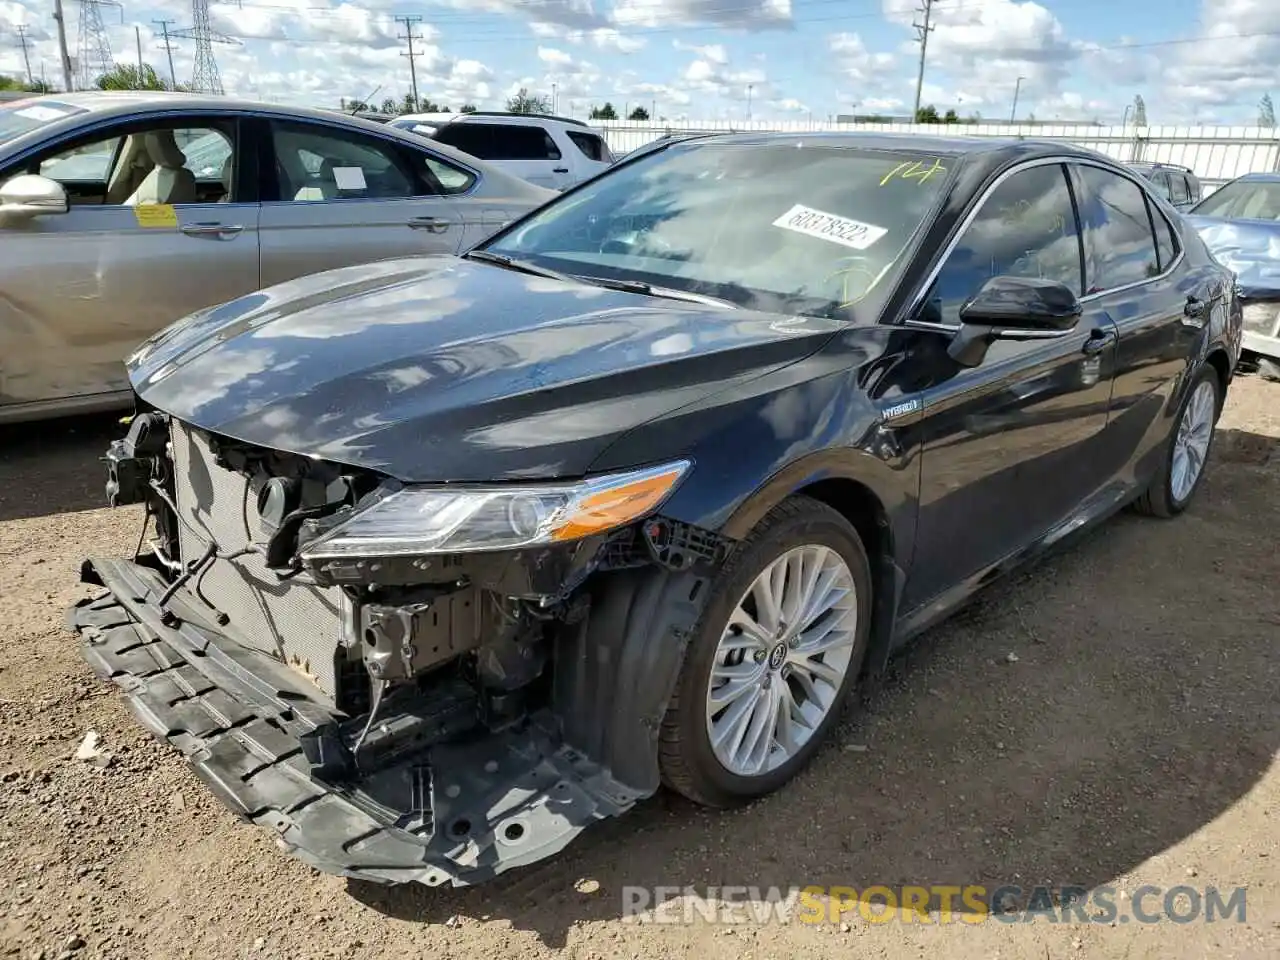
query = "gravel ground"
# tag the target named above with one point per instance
(1130, 739)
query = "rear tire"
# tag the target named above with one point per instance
(757, 695)
(1186, 452)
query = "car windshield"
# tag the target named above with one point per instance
(22, 116)
(1242, 200)
(788, 227)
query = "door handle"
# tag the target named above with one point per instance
(434, 224)
(219, 230)
(559, 169)
(1098, 341)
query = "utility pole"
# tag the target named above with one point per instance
(1017, 87)
(923, 30)
(168, 48)
(750, 87)
(26, 54)
(137, 38)
(409, 20)
(62, 46)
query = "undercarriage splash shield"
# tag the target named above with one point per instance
(458, 813)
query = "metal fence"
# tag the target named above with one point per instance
(1216, 154)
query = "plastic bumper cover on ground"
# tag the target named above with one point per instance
(236, 718)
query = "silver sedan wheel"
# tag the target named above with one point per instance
(782, 660)
(1191, 443)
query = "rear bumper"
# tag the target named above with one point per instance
(1260, 343)
(236, 716)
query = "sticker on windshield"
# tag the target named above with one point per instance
(43, 114)
(828, 226)
(349, 178)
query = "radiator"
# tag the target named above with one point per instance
(294, 620)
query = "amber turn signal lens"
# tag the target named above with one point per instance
(613, 507)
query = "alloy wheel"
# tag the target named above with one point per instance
(781, 660)
(1191, 444)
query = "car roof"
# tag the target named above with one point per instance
(991, 149)
(495, 117)
(127, 103)
(1261, 177)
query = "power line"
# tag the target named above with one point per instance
(922, 30)
(25, 43)
(168, 49)
(409, 20)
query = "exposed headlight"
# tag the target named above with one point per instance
(421, 520)
(1261, 317)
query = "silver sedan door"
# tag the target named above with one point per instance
(153, 232)
(344, 197)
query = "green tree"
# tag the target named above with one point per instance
(525, 102)
(639, 113)
(467, 108)
(21, 86)
(928, 114)
(389, 105)
(951, 117)
(604, 113)
(127, 76)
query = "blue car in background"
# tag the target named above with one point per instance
(1240, 223)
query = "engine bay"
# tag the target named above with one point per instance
(426, 650)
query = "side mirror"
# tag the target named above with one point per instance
(1013, 308)
(30, 195)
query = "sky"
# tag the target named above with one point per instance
(1192, 61)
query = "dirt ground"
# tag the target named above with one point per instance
(1131, 739)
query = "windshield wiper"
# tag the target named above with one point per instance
(649, 290)
(511, 263)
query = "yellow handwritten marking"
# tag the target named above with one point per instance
(161, 215)
(844, 273)
(914, 170)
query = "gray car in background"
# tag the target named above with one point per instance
(123, 212)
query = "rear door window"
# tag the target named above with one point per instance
(1119, 245)
(1178, 188)
(500, 141)
(592, 146)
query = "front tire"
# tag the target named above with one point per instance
(773, 658)
(1187, 449)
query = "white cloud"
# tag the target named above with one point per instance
(743, 14)
(714, 52)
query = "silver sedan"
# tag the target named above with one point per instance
(122, 212)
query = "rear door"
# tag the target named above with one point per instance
(593, 152)
(138, 249)
(1131, 273)
(334, 197)
(524, 150)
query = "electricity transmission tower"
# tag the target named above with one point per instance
(922, 30)
(205, 77)
(93, 54)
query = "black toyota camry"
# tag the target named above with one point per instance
(448, 558)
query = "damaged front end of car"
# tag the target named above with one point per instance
(404, 683)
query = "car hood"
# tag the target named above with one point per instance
(444, 369)
(1249, 248)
